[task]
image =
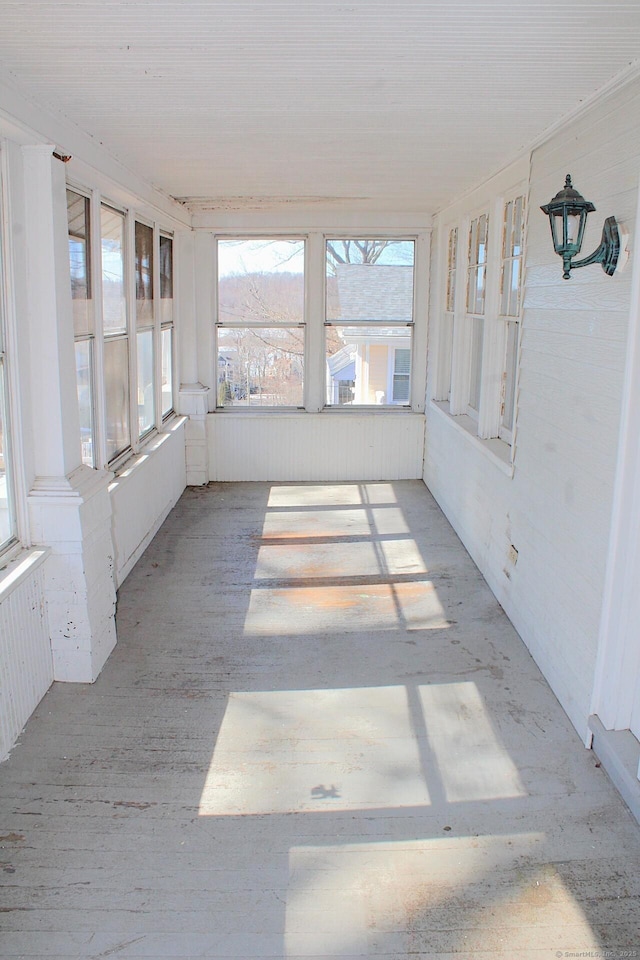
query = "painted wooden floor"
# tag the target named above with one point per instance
(318, 737)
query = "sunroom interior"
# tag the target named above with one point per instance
(292, 243)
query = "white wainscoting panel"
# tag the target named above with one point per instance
(322, 447)
(142, 495)
(26, 669)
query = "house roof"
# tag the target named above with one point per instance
(372, 292)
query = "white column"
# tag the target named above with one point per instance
(196, 290)
(69, 504)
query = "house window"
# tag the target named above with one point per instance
(116, 333)
(368, 321)
(145, 332)
(7, 507)
(510, 307)
(261, 323)
(78, 218)
(401, 375)
(166, 325)
(476, 295)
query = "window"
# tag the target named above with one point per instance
(368, 321)
(116, 333)
(476, 294)
(78, 218)
(7, 510)
(145, 333)
(261, 323)
(166, 325)
(510, 307)
(401, 375)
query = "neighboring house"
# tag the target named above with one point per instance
(374, 367)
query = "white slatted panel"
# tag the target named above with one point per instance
(399, 106)
(26, 671)
(316, 447)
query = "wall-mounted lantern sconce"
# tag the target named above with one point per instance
(567, 214)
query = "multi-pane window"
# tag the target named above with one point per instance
(78, 218)
(7, 511)
(119, 396)
(510, 293)
(476, 296)
(166, 324)
(368, 321)
(116, 333)
(145, 333)
(260, 323)
(478, 344)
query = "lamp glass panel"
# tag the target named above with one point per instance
(573, 228)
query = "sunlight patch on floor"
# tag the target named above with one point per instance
(430, 896)
(356, 749)
(472, 763)
(327, 494)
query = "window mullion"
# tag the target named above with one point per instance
(314, 315)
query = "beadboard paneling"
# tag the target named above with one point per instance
(26, 669)
(143, 495)
(316, 446)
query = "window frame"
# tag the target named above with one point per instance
(145, 326)
(392, 405)
(315, 390)
(166, 325)
(511, 321)
(476, 318)
(113, 462)
(89, 336)
(260, 324)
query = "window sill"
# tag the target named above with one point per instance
(496, 450)
(343, 410)
(150, 443)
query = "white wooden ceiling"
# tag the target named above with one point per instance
(364, 103)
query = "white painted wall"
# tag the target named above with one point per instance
(306, 446)
(556, 507)
(143, 493)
